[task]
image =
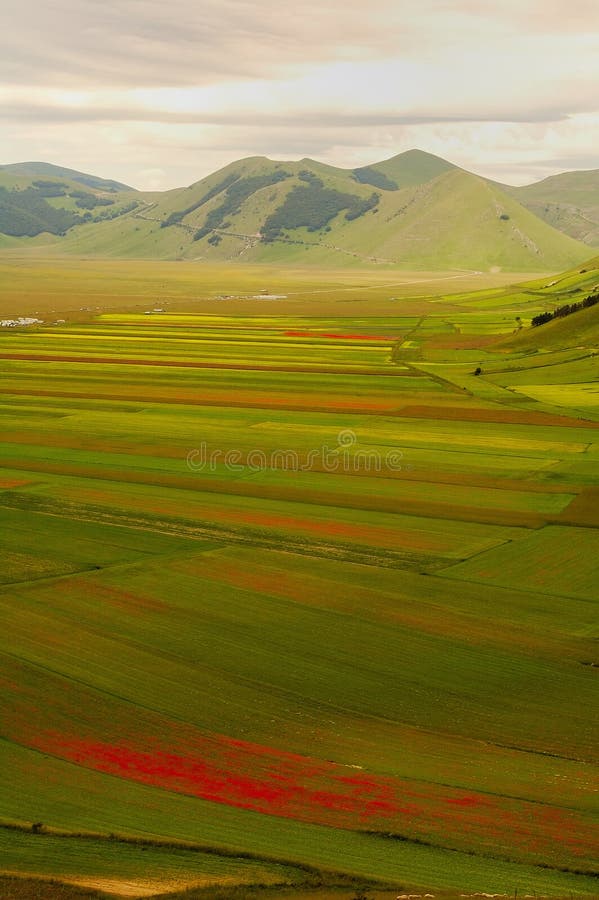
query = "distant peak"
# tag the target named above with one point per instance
(421, 155)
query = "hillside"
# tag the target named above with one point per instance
(409, 169)
(36, 169)
(579, 329)
(414, 210)
(37, 204)
(568, 202)
(455, 220)
(258, 210)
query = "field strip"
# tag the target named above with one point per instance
(251, 488)
(526, 590)
(497, 416)
(312, 875)
(358, 370)
(366, 555)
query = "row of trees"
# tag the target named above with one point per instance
(566, 310)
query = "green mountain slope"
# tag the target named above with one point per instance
(33, 205)
(568, 202)
(411, 168)
(34, 169)
(456, 220)
(303, 212)
(414, 210)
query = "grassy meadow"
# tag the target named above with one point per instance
(296, 604)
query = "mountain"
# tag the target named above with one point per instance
(44, 204)
(414, 210)
(568, 202)
(406, 169)
(37, 169)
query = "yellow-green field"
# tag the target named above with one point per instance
(296, 604)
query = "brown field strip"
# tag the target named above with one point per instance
(190, 364)
(497, 416)
(583, 510)
(192, 398)
(7, 484)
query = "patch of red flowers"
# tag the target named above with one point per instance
(287, 786)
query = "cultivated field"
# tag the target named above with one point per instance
(296, 604)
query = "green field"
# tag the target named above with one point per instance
(296, 604)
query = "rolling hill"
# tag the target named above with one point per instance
(37, 169)
(568, 202)
(414, 210)
(34, 203)
(407, 169)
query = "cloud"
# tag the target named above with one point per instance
(148, 42)
(184, 87)
(131, 43)
(325, 119)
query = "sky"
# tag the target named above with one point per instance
(160, 94)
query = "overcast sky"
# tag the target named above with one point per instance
(159, 94)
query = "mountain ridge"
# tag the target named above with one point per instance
(414, 210)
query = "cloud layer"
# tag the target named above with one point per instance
(176, 90)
